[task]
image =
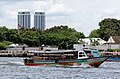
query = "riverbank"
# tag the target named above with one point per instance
(15, 53)
(19, 52)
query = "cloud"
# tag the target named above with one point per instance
(78, 14)
(42, 5)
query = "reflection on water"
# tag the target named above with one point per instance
(13, 68)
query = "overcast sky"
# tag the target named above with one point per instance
(83, 15)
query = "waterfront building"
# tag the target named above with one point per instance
(24, 18)
(89, 41)
(114, 40)
(39, 20)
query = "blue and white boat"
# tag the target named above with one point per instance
(66, 58)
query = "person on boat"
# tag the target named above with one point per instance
(56, 60)
(23, 48)
(89, 54)
(25, 60)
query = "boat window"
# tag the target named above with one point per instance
(89, 54)
(67, 56)
(95, 53)
(59, 56)
(36, 54)
(81, 54)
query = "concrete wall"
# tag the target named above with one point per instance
(99, 47)
(33, 48)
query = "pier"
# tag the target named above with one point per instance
(15, 53)
(19, 52)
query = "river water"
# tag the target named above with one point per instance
(13, 68)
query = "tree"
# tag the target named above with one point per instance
(13, 36)
(3, 31)
(4, 45)
(30, 37)
(109, 27)
(94, 42)
(61, 36)
(94, 34)
(81, 41)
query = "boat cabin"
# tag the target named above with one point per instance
(92, 53)
(60, 55)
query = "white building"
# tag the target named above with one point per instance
(39, 20)
(88, 41)
(24, 19)
(114, 40)
(112, 43)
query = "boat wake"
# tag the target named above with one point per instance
(3, 62)
(83, 65)
(16, 63)
(11, 63)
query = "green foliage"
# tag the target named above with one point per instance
(3, 31)
(60, 29)
(4, 44)
(113, 50)
(12, 35)
(94, 42)
(61, 36)
(7, 42)
(30, 37)
(109, 27)
(81, 42)
(94, 34)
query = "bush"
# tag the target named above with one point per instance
(113, 50)
(7, 42)
(2, 46)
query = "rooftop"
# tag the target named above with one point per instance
(23, 10)
(39, 11)
(116, 39)
(59, 51)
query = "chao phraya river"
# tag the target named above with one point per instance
(13, 68)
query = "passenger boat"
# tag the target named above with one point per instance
(66, 58)
(115, 56)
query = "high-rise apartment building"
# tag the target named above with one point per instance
(24, 19)
(39, 20)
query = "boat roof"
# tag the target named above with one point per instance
(58, 51)
(89, 49)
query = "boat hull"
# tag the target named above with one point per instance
(94, 62)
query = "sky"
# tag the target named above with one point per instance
(83, 15)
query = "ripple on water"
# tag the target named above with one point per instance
(108, 70)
